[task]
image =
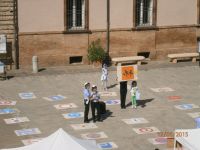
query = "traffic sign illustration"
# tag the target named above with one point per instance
(107, 93)
(146, 130)
(158, 140)
(27, 131)
(31, 141)
(94, 136)
(27, 96)
(7, 103)
(65, 106)
(163, 89)
(194, 115)
(107, 145)
(112, 102)
(55, 98)
(8, 111)
(73, 115)
(135, 121)
(84, 126)
(16, 120)
(186, 106)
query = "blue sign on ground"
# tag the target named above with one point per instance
(105, 145)
(112, 102)
(57, 98)
(73, 115)
(7, 111)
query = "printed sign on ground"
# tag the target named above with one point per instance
(27, 132)
(107, 145)
(73, 115)
(55, 98)
(112, 102)
(28, 95)
(126, 73)
(31, 141)
(7, 103)
(106, 93)
(65, 106)
(164, 89)
(174, 98)
(135, 121)
(16, 120)
(83, 126)
(194, 115)
(186, 106)
(146, 130)
(8, 111)
(157, 141)
(94, 136)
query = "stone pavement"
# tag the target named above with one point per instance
(155, 106)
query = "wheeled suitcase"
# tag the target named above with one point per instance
(102, 106)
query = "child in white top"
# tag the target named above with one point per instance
(134, 91)
(104, 77)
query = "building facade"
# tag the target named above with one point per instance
(60, 31)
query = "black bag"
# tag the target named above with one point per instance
(102, 106)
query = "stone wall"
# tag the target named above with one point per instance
(56, 48)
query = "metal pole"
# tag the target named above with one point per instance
(108, 31)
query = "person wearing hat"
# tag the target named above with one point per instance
(87, 96)
(95, 97)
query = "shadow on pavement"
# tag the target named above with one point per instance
(141, 103)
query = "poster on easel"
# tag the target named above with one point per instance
(127, 73)
(2, 44)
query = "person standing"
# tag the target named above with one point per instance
(134, 93)
(104, 77)
(95, 97)
(86, 95)
(123, 92)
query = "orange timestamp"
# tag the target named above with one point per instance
(173, 134)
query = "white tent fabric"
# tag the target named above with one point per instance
(60, 140)
(190, 142)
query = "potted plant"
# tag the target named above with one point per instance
(96, 53)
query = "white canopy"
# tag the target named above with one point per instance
(189, 138)
(60, 140)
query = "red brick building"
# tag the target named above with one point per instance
(57, 31)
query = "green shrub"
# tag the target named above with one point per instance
(96, 52)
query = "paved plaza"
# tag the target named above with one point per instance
(169, 100)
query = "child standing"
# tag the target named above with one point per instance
(104, 77)
(95, 97)
(134, 94)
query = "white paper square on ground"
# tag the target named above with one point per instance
(8, 111)
(28, 95)
(73, 115)
(7, 103)
(65, 106)
(84, 126)
(107, 145)
(112, 102)
(94, 136)
(16, 120)
(55, 98)
(27, 132)
(164, 89)
(146, 130)
(135, 121)
(158, 140)
(31, 141)
(186, 106)
(107, 93)
(194, 115)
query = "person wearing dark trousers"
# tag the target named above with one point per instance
(95, 97)
(86, 95)
(123, 92)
